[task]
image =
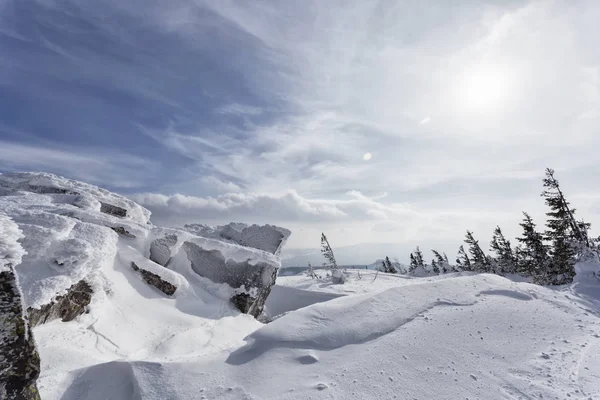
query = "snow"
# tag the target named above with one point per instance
(11, 251)
(453, 336)
(461, 336)
(268, 238)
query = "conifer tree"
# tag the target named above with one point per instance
(435, 267)
(562, 231)
(463, 261)
(336, 275)
(479, 260)
(390, 268)
(413, 263)
(532, 254)
(417, 260)
(442, 262)
(555, 199)
(505, 262)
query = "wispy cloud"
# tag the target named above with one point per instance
(460, 105)
(110, 168)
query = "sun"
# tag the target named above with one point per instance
(484, 87)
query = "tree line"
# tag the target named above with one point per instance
(546, 257)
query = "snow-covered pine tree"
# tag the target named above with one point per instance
(479, 260)
(435, 267)
(442, 262)
(555, 199)
(505, 261)
(417, 261)
(532, 254)
(462, 260)
(390, 268)
(413, 263)
(337, 275)
(420, 260)
(563, 232)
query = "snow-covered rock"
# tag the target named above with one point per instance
(269, 238)
(73, 232)
(252, 280)
(160, 249)
(19, 359)
(89, 263)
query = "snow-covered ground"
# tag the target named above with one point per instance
(380, 336)
(454, 337)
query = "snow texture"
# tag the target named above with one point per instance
(269, 238)
(377, 336)
(11, 252)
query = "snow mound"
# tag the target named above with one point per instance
(469, 336)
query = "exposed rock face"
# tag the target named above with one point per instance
(123, 232)
(255, 280)
(66, 307)
(19, 359)
(269, 238)
(113, 210)
(160, 249)
(155, 280)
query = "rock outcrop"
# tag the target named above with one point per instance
(155, 280)
(269, 238)
(113, 210)
(253, 281)
(66, 307)
(19, 359)
(160, 249)
(123, 232)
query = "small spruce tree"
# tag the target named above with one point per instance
(463, 261)
(442, 262)
(532, 253)
(479, 260)
(563, 232)
(435, 267)
(336, 274)
(505, 261)
(390, 268)
(413, 263)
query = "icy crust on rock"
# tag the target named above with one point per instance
(74, 231)
(11, 252)
(269, 238)
(79, 194)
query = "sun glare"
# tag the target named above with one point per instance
(484, 87)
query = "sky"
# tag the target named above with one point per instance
(397, 123)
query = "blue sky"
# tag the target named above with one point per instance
(265, 111)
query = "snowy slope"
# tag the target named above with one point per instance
(456, 336)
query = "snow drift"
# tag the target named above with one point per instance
(160, 322)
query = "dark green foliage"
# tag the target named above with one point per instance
(435, 267)
(413, 263)
(442, 262)
(388, 266)
(417, 260)
(505, 261)
(532, 253)
(563, 232)
(463, 261)
(479, 260)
